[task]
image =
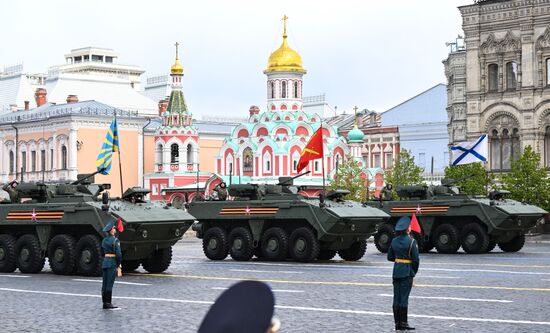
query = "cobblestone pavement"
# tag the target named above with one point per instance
(495, 292)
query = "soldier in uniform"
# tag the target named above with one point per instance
(12, 191)
(387, 192)
(221, 190)
(110, 250)
(404, 253)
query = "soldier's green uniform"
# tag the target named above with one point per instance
(110, 250)
(12, 192)
(404, 253)
(221, 191)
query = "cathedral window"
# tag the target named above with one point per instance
(493, 77)
(337, 162)
(316, 166)
(366, 160)
(389, 160)
(12, 163)
(271, 89)
(283, 89)
(190, 154)
(295, 89)
(64, 157)
(33, 160)
(43, 160)
(546, 147)
(511, 75)
(295, 159)
(376, 160)
(504, 148)
(160, 154)
(248, 164)
(174, 153)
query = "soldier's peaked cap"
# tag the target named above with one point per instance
(246, 307)
(403, 223)
(109, 226)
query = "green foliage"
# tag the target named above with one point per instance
(348, 177)
(471, 178)
(528, 181)
(405, 172)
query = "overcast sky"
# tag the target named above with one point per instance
(373, 54)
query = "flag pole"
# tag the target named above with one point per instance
(323, 158)
(119, 160)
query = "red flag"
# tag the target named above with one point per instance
(119, 225)
(415, 226)
(313, 150)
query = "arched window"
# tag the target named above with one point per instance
(505, 148)
(272, 89)
(548, 72)
(295, 89)
(511, 75)
(267, 162)
(174, 153)
(248, 160)
(64, 157)
(493, 77)
(160, 154)
(12, 163)
(190, 154)
(283, 89)
(546, 147)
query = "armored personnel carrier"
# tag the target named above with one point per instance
(274, 223)
(64, 223)
(450, 219)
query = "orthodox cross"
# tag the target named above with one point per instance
(284, 20)
(355, 110)
(176, 45)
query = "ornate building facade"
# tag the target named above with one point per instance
(500, 83)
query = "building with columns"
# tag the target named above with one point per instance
(500, 83)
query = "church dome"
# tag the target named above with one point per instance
(284, 59)
(176, 68)
(355, 135)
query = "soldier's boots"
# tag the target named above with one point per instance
(107, 297)
(396, 318)
(403, 312)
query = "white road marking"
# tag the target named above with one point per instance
(274, 290)
(14, 276)
(117, 282)
(255, 271)
(482, 271)
(418, 276)
(545, 280)
(455, 299)
(287, 307)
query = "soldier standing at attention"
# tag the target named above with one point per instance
(12, 191)
(110, 249)
(221, 190)
(404, 253)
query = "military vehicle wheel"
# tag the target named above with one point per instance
(513, 245)
(474, 239)
(130, 265)
(29, 255)
(492, 246)
(62, 254)
(214, 244)
(425, 245)
(446, 239)
(8, 262)
(304, 245)
(274, 244)
(326, 254)
(88, 258)
(355, 252)
(384, 236)
(159, 261)
(240, 244)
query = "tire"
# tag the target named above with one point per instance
(426, 246)
(474, 239)
(88, 256)
(492, 246)
(159, 261)
(130, 265)
(274, 244)
(8, 260)
(446, 239)
(383, 237)
(355, 252)
(326, 254)
(513, 245)
(214, 244)
(304, 245)
(240, 244)
(29, 255)
(62, 254)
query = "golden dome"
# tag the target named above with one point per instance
(284, 59)
(177, 68)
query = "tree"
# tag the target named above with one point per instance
(349, 177)
(527, 181)
(471, 178)
(404, 172)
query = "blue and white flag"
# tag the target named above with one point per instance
(110, 145)
(470, 151)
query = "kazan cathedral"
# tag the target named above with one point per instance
(261, 150)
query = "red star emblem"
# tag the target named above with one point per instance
(33, 215)
(418, 209)
(247, 210)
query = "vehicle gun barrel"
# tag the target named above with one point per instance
(78, 181)
(292, 178)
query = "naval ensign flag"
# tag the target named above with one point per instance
(470, 151)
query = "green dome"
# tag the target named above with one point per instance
(355, 135)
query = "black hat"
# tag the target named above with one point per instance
(247, 306)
